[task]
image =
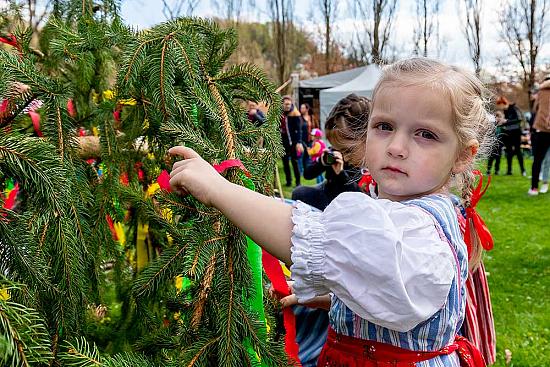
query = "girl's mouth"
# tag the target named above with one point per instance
(393, 169)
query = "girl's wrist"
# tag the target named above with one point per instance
(220, 193)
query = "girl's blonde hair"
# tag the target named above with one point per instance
(346, 127)
(469, 100)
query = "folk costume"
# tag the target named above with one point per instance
(396, 272)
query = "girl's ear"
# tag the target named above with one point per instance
(466, 156)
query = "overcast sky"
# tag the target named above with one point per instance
(145, 13)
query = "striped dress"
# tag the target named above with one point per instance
(440, 329)
(478, 326)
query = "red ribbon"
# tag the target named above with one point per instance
(111, 227)
(4, 106)
(164, 181)
(275, 274)
(71, 109)
(35, 118)
(230, 163)
(10, 200)
(485, 236)
(366, 181)
(468, 353)
(11, 40)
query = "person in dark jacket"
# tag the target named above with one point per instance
(511, 133)
(292, 138)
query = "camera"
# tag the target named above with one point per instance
(328, 158)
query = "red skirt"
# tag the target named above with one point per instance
(346, 351)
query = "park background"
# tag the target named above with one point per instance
(285, 36)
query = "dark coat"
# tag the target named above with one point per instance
(291, 128)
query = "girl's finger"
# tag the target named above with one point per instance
(186, 153)
(177, 170)
(178, 164)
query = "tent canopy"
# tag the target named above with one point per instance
(332, 80)
(362, 85)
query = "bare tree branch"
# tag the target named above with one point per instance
(230, 9)
(471, 27)
(427, 25)
(376, 18)
(329, 14)
(281, 14)
(177, 8)
(523, 29)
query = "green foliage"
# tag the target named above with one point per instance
(81, 354)
(178, 89)
(24, 340)
(185, 95)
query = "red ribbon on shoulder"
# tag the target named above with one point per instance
(366, 181)
(479, 225)
(164, 181)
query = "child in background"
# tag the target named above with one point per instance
(317, 149)
(396, 266)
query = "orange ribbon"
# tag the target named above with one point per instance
(483, 232)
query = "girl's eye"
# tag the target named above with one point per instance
(383, 126)
(427, 135)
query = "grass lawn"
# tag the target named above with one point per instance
(518, 267)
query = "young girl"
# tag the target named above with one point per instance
(396, 265)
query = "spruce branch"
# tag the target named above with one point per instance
(24, 338)
(205, 290)
(202, 351)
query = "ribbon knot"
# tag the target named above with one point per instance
(483, 232)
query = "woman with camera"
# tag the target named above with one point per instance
(341, 164)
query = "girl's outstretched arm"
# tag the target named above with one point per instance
(265, 220)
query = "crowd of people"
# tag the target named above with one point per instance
(517, 134)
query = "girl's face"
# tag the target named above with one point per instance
(412, 148)
(303, 109)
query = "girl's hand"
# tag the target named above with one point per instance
(289, 301)
(193, 175)
(338, 166)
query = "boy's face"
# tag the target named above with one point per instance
(412, 147)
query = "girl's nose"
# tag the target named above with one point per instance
(397, 147)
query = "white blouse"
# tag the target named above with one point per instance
(386, 261)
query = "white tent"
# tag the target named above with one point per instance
(332, 80)
(361, 85)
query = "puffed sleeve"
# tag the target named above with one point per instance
(385, 260)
